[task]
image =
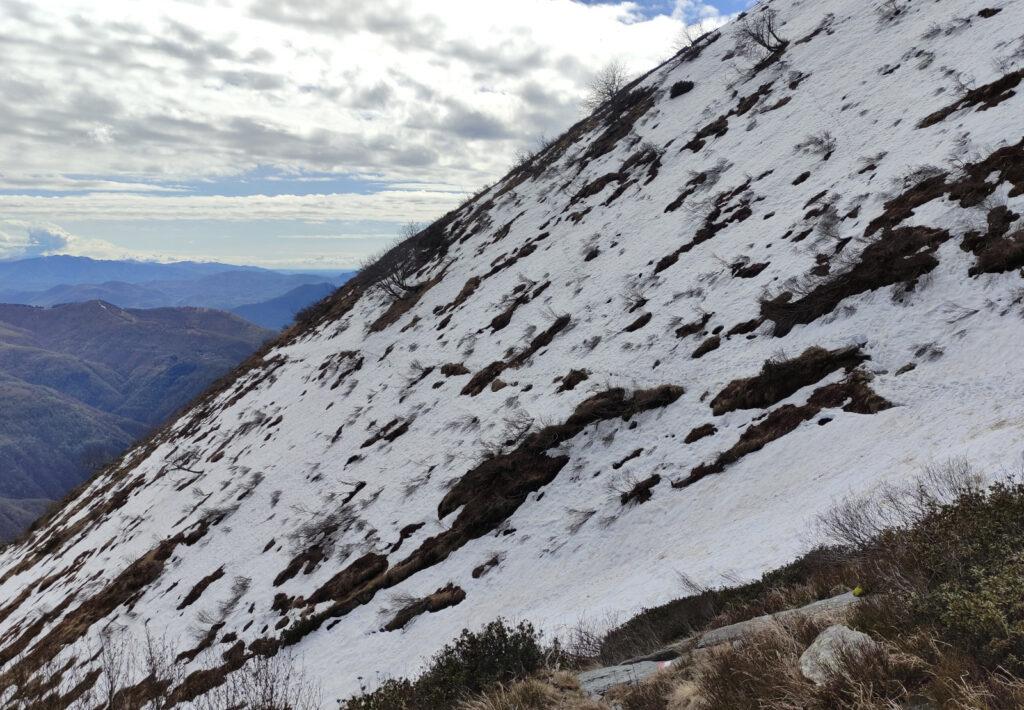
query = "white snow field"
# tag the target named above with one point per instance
(873, 168)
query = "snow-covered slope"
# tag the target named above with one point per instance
(573, 406)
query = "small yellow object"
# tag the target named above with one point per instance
(858, 591)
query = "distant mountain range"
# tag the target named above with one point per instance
(278, 312)
(80, 382)
(52, 280)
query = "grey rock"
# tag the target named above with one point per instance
(835, 606)
(821, 658)
(597, 682)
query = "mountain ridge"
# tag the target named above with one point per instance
(55, 280)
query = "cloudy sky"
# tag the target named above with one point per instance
(286, 133)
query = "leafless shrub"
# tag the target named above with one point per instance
(889, 10)
(857, 521)
(521, 159)
(760, 30)
(583, 641)
(634, 295)
(264, 684)
(323, 528)
(465, 423)
(414, 484)
(396, 603)
(870, 163)
(963, 83)
(821, 145)
(516, 427)
(692, 34)
(396, 268)
(608, 82)
(239, 586)
(827, 226)
(914, 176)
(578, 518)
(119, 661)
(1012, 61)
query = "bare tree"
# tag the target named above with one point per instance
(396, 267)
(761, 30)
(606, 84)
(692, 34)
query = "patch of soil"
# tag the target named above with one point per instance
(712, 343)
(454, 369)
(501, 321)
(391, 431)
(728, 207)
(855, 392)
(572, 379)
(443, 598)
(701, 432)
(484, 377)
(679, 88)
(639, 323)
(780, 379)
(200, 587)
(640, 493)
(902, 255)
(626, 459)
(349, 579)
(984, 97)
(694, 327)
(470, 287)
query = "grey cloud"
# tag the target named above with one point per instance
(505, 59)
(259, 56)
(20, 11)
(91, 105)
(374, 97)
(255, 80)
(390, 18)
(472, 124)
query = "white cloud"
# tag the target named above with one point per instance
(21, 239)
(389, 206)
(695, 11)
(412, 90)
(114, 107)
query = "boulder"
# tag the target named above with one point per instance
(821, 659)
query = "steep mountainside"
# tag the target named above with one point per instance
(79, 383)
(752, 282)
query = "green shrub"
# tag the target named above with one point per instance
(475, 661)
(965, 562)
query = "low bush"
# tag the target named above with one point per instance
(473, 663)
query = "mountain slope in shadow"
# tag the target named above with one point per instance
(80, 382)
